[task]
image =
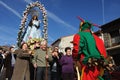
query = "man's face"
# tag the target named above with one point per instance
(43, 46)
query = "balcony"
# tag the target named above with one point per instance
(113, 42)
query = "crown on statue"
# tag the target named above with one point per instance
(34, 12)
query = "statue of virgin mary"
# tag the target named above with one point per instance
(33, 30)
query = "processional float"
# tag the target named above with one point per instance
(30, 10)
(29, 32)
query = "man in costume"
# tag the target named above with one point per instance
(89, 50)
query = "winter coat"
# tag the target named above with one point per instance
(21, 69)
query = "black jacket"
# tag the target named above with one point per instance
(1, 61)
(55, 59)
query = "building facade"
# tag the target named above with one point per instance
(63, 42)
(111, 37)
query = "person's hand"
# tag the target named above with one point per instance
(56, 54)
(35, 65)
(77, 63)
(12, 50)
(110, 65)
(30, 52)
(46, 56)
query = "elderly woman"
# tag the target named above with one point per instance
(21, 70)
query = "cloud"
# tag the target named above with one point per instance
(58, 20)
(7, 30)
(10, 9)
(56, 3)
(7, 33)
(51, 38)
(28, 1)
(7, 37)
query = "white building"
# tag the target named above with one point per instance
(63, 42)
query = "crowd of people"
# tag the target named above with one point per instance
(7, 62)
(40, 64)
(22, 64)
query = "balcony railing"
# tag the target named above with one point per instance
(115, 40)
(112, 42)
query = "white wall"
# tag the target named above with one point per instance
(65, 42)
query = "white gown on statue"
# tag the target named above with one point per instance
(32, 31)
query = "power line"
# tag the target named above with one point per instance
(103, 11)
